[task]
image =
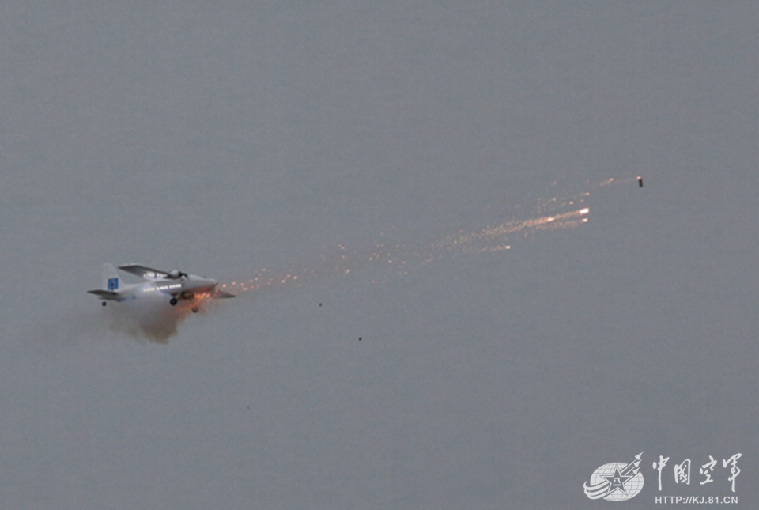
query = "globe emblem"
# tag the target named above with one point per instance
(621, 487)
(615, 481)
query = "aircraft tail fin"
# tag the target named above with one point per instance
(110, 278)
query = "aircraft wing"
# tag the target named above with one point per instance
(105, 294)
(217, 294)
(144, 271)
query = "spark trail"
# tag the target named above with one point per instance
(554, 213)
(156, 321)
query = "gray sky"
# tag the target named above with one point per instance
(227, 139)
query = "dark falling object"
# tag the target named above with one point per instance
(640, 182)
(359, 339)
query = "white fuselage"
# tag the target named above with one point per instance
(184, 286)
(174, 283)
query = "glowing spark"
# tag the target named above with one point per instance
(551, 213)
